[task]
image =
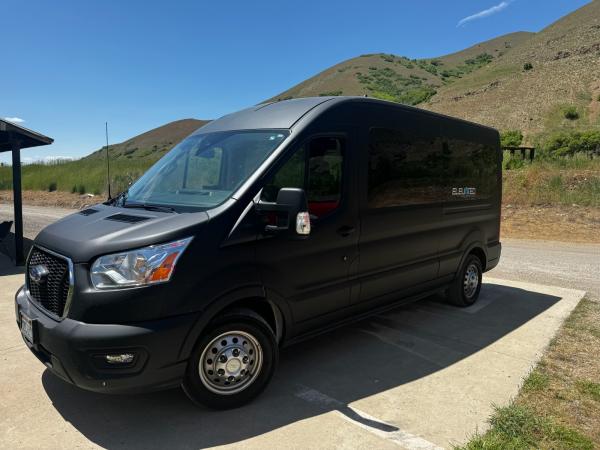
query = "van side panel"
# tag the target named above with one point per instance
(400, 225)
(473, 184)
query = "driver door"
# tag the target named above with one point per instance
(312, 275)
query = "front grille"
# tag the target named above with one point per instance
(52, 290)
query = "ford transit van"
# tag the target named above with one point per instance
(262, 228)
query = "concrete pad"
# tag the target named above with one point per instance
(420, 376)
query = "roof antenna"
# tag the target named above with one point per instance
(107, 162)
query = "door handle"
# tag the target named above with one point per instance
(346, 231)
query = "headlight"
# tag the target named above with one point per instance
(144, 266)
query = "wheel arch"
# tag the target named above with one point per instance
(474, 248)
(250, 299)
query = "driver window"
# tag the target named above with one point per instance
(320, 176)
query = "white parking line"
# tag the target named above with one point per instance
(366, 422)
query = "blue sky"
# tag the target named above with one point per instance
(69, 66)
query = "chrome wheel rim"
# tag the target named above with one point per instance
(471, 280)
(230, 362)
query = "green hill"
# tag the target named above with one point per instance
(398, 78)
(128, 161)
(524, 81)
(154, 143)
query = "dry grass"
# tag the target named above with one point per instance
(552, 223)
(559, 404)
(57, 199)
(571, 395)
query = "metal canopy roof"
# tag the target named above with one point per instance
(11, 133)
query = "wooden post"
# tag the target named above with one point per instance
(17, 202)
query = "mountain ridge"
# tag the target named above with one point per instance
(487, 83)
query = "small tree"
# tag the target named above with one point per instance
(52, 186)
(527, 66)
(571, 113)
(74, 189)
(81, 189)
(511, 138)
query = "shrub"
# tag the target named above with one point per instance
(74, 189)
(81, 189)
(514, 163)
(511, 138)
(480, 60)
(527, 66)
(52, 186)
(569, 144)
(571, 113)
(97, 192)
(330, 94)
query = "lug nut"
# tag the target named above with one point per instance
(245, 360)
(221, 372)
(236, 352)
(223, 358)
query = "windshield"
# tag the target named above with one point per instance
(204, 169)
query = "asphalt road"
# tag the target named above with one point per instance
(34, 217)
(550, 263)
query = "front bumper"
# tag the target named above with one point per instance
(75, 351)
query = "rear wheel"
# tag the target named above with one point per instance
(465, 288)
(232, 363)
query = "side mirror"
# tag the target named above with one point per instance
(289, 213)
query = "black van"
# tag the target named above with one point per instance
(262, 228)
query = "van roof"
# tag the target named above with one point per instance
(280, 114)
(285, 113)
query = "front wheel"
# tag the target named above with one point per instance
(232, 363)
(465, 288)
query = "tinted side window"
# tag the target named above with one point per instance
(317, 168)
(404, 168)
(471, 170)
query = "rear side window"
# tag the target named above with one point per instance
(404, 168)
(471, 170)
(317, 168)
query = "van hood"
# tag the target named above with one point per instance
(103, 229)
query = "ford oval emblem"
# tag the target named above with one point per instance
(38, 273)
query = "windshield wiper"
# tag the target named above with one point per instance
(150, 207)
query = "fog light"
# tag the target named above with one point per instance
(122, 358)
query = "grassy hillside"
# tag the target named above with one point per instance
(400, 79)
(129, 160)
(533, 86)
(154, 143)
(539, 83)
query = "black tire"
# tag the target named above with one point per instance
(200, 387)
(462, 292)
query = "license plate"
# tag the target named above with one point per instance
(26, 328)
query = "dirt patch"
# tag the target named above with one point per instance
(57, 199)
(553, 223)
